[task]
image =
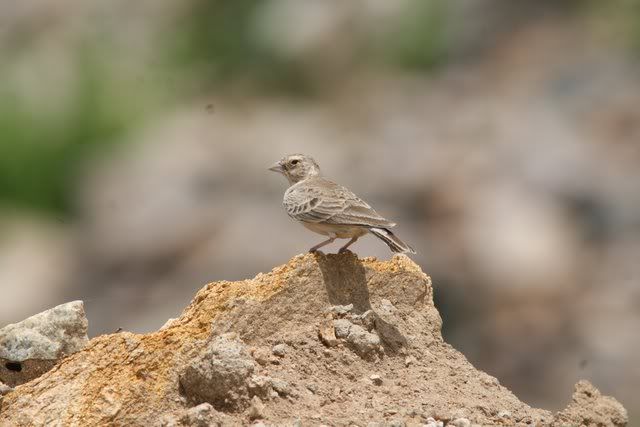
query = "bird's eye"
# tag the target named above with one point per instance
(295, 161)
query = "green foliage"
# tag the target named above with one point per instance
(622, 18)
(417, 41)
(42, 153)
(634, 24)
(216, 41)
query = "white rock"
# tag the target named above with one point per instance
(49, 335)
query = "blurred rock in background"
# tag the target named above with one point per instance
(502, 136)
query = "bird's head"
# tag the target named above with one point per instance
(296, 167)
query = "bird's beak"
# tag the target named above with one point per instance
(277, 167)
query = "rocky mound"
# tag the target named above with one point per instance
(324, 339)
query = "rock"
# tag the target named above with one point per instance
(219, 374)
(362, 342)
(203, 415)
(261, 355)
(4, 389)
(589, 407)
(357, 337)
(342, 327)
(386, 307)
(267, 387)
(490, 381)
(279, 350)
(326, 333)
(256, 410)
(260, 386)
(376, 379)
(368, 319)
(168, 420)
(504, 414)
(147, 379)
(280, 386)
(460, 422)
(430, 422)
(31, 347)
(396, 423)
(341, 309)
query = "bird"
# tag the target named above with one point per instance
(330, 209)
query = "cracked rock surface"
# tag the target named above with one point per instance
(323, 339)
(31, 347)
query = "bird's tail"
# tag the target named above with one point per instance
(396, 245)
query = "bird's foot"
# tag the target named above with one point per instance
(343, 250)
(316, 251)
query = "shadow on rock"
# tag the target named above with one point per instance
(345, 281)
(392, 339)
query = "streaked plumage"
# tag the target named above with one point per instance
(328, 208)
(318, 200)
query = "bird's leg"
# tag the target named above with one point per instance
(349, 243)
(321, 244)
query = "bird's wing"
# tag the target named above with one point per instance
(322, 201)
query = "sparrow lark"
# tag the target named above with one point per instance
(328, 208)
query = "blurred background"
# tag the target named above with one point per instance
(502, 135)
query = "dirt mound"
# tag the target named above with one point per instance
(329, 340)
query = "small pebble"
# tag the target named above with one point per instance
(256, 410)
(4, 389)
(490, 381)
(433, 423)
(342, 327)
(460, 422)
(279, 350)
(281, 386)
(261, 356)
(504, 414)
(376, 379)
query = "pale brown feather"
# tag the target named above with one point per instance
(318, 200)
